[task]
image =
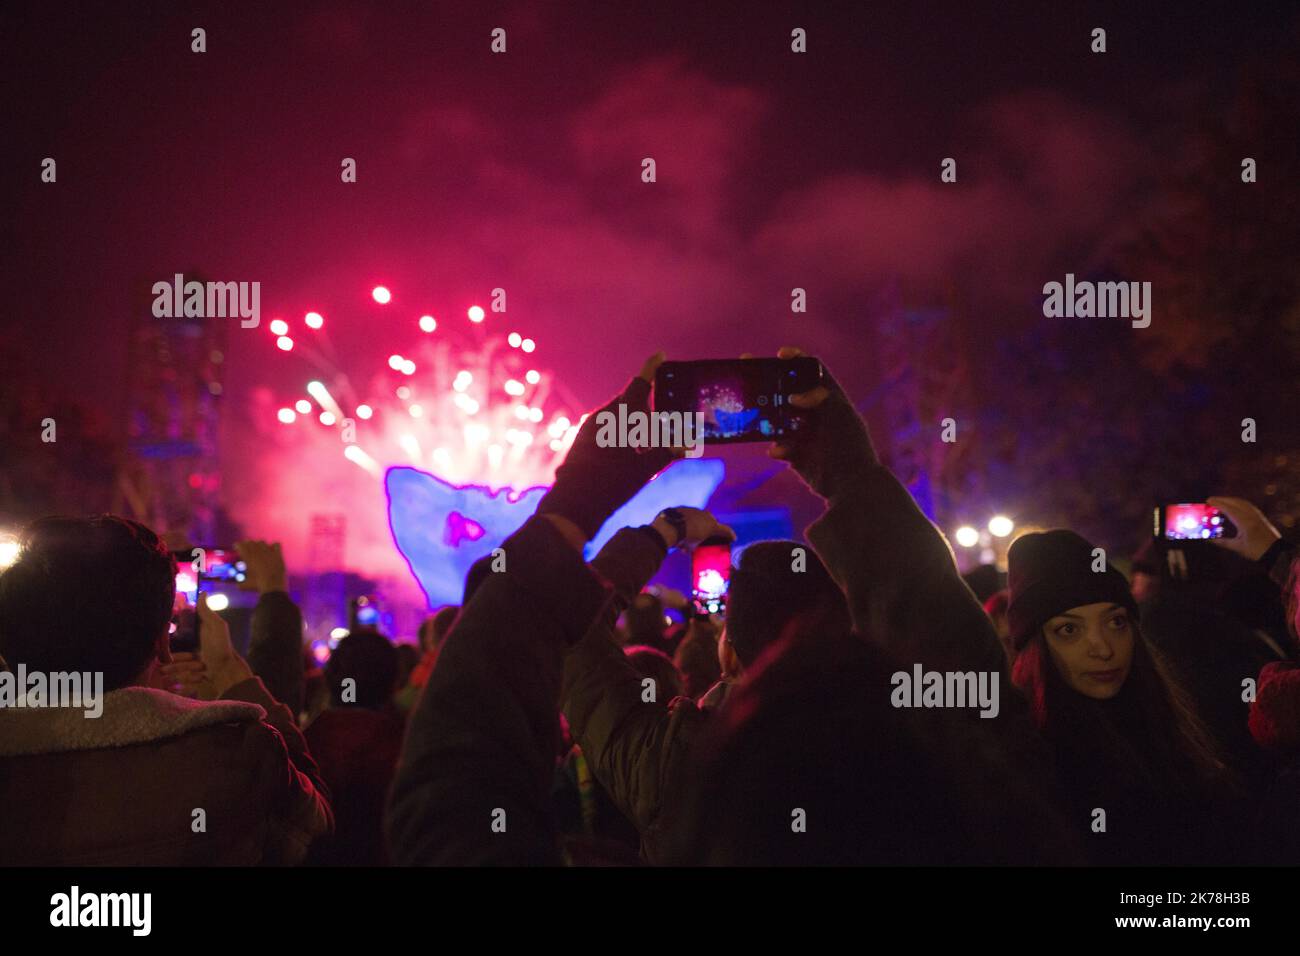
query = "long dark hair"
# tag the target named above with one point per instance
(1147, 734)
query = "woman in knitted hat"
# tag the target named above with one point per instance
(1138, 769)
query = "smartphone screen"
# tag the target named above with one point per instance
(222, 564)
(194, 569)
(1186, 522)
(184, 628)
(738, 400)
(710, 577)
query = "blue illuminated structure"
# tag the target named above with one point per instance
(441, 529)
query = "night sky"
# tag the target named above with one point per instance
(522, 170)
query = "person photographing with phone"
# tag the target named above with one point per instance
(158, 779)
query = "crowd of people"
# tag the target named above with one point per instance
(553, 717)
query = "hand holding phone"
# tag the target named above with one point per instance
(835, 447)
(214, 666)
(1255, 533)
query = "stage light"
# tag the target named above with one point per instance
(323, 398)
(403, 392)
(9, 550)
(408, 367)
(514, 387)
(327, 418)
(218, 602)
(534, 415)
(462, 380)
(381, 295)
(514, 338)
(428, 323)
(528, 345)
(314, 320)
(476, 313)
(287, 415)
(353, 453)
(416, 411)
(279, 327)
(338, 633)
(967, 536)
(1000, 526)
(364, 411)
(285, 343)
(303, 406)
(533, 376)
(395, 362)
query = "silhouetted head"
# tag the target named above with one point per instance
(369, 661)
(87, 594)
(780, 587)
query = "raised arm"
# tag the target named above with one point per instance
(631, 739)
(896, 568)
(275, 646)
(474, 779)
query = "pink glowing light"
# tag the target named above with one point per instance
(462, 411)
(381, 295)
(314, 320)
(476, 313)
(284, 343)
(279, 327)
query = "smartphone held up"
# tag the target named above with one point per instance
(711, 575)
(738, 400)
(197, 572)
(1192, 522)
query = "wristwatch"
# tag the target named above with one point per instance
(678, 520)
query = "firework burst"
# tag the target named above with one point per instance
(461, 401)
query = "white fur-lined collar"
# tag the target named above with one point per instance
(132, 715)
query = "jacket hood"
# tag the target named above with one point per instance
(132, 715)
